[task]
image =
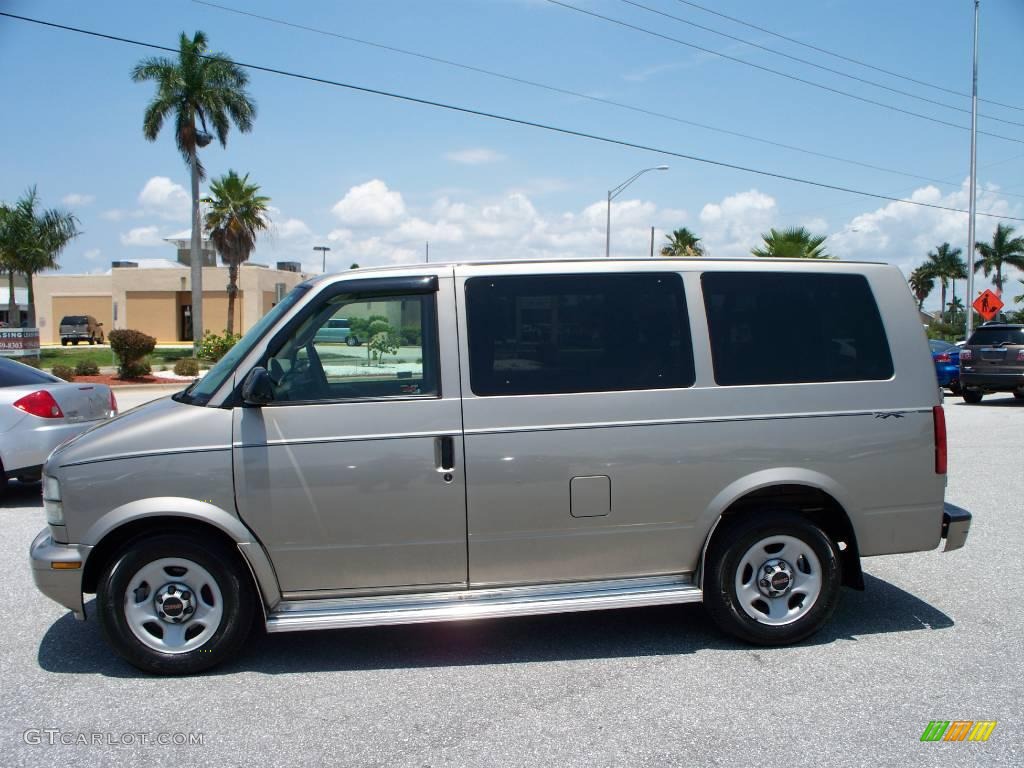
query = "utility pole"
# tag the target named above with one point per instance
(974, 181)
(428, 251)
(652, 242)
(612, 194)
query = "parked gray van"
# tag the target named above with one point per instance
(516, 438)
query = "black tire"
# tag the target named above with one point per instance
(725, 556)
(352, 341)
(972, 396)
(92, 340)
(74, 342)
(1019, 394)
(954, 387)
(236, 589)
(63, 342)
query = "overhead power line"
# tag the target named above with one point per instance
(513, 120)
(570, 92)
(850, 59)
(808, 62)
(776, 72)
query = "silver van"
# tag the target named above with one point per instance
(515, 438)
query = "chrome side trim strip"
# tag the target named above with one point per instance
(294, 616)
(147, 454)
(584, 425)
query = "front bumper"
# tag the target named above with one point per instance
(956, 522)
(62, 585)
(1003, 382)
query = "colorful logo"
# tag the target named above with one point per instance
(959, 730)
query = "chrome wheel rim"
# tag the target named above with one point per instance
(778, 580)
(173, 605)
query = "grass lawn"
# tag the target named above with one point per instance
(102, 356)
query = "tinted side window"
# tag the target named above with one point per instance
(783, 328)
(14, 374)
(550, 334)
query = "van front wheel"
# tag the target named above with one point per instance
(175, 605)
(772, 579)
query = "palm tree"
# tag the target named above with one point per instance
(682, 242)
(1019, 299)
(199, 85)
(954, 308)
(30, 241)
(922, 282)
(792, 243)
(236, 213)
(945, 264)
(1004, 249)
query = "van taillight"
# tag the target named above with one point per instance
(939, 421)
(966, 354)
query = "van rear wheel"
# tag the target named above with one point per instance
(175, 605)
(772, 579)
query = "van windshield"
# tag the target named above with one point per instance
(200, 392)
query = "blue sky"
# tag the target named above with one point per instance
(375, 178)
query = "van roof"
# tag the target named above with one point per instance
(419, 266)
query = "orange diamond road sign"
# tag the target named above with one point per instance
(988, 304)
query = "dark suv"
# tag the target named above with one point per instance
(76, 328)
(992, 360)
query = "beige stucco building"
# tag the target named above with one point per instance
(155, 297)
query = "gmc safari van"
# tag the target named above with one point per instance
(515, 438)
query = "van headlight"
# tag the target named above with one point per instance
(52, 501)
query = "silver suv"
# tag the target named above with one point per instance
(515, 438)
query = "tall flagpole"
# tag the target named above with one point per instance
(974, 181)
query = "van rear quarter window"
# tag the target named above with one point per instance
(790, 328)
(551, 334)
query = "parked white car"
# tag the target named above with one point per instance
(38, 412)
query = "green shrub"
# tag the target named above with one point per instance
(131, 347)
(134, 370)
(65, 372)
(213, 346)
(86, 368)
(32, 362)
(187, 366)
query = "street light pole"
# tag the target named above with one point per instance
(612, 194)
(323, 250)
(974, 182)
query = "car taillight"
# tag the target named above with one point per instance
(939, 421)
(40, 404)
(966, 354)
(1020, 354)
(943, 358)
(113, 404)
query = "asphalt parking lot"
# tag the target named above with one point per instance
(935, 637)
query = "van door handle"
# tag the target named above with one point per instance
(446, 453)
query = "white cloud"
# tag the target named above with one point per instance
(475, 156)
(419, 230)
(733, 226)
(77, 198)
(164, 198)
(92, 254)
(292, 228)
(370, 204)
(142, 236)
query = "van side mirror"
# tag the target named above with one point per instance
(258, 388)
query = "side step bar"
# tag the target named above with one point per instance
(339, 613)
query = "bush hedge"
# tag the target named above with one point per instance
(131, 347)
(86, 368)
(187, 366)
(214, 346)
(65, 372)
